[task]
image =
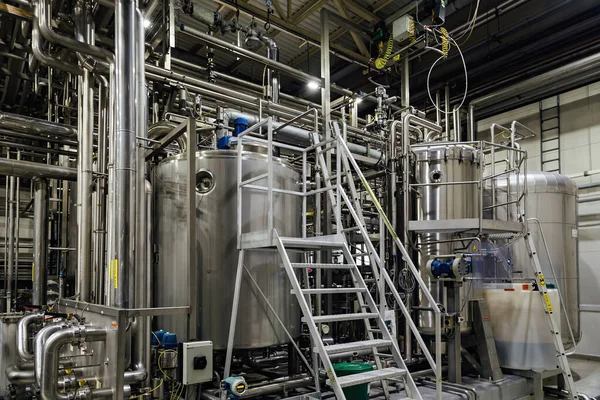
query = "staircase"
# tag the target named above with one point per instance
(389, 367)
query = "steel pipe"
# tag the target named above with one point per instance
(125, 154)
(40, 242)
(213, 41)
(298, 135)
(50, 356)
(37, 47)
(85, 34)
(23, 335)
(17, 376)
(38, 345)
(28, 169)
(22, 123)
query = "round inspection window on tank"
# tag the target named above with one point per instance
(205, 182)
(435, 176)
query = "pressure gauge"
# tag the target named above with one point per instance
(325, 329)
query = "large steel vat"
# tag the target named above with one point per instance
(441, 164)
(552, 199)
(217, 254)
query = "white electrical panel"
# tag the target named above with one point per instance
(196, 362)
(401, 28)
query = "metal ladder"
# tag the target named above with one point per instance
(368, 313)
(550, 137)
(563, 362)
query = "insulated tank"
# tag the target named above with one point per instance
(441, 163)
(217, 253)
(552, 199)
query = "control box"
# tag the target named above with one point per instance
(401, 28)
(195, 362)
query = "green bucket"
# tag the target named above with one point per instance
(358, 392)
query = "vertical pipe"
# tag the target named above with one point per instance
(101, 192)
(326, 123)
(447, 111)
(125, 154)
(149, 261)
(40, 246)
(6, 196)
(11, 242)
(438, 109)
(192, 145)
(272, 75)
(17, 225)
(85, 34)
(471, 122)
(142, 266)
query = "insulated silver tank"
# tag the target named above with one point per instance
(443, 163)
(552, 199)
(217, 253)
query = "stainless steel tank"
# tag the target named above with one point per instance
(552, 199)
(443, 163)
(217, 253)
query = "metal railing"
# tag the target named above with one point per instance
(346, 166)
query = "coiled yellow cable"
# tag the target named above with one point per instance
(445, 41)
(411, 30)
(381, 62)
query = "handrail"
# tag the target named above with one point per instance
(437, 364)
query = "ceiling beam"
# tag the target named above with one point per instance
(362, 12)
(355, 36)
(339, 33)
(295, 30)
(279, 10)
(307, 9)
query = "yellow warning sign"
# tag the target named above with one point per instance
(542, 281)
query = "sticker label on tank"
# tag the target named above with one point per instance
(574, 233)
(548, 304)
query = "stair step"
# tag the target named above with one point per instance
(354, 346)
(316, 242)
(322, 266)
(343, 317)
(369, 376)
(334, 290)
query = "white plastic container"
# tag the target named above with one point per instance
(521, 328)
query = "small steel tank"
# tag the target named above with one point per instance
(443, 163)
(552, 199)
(217, 253)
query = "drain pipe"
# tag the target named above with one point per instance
(50, 356)
(23, 335)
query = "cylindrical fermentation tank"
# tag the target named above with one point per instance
(443, 163)
(217, 253)
(552, 199)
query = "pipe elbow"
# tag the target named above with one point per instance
(18, 376)
(23, 332)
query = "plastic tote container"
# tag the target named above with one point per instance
(358, 392)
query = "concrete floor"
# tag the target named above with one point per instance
(587, 376)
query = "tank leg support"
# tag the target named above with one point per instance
(234, 311)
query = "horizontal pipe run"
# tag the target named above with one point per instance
(24, 124)
(249, 54)
(28, 169)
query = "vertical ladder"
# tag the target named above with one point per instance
(563, 362)
(368, 313)
(550, 136)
